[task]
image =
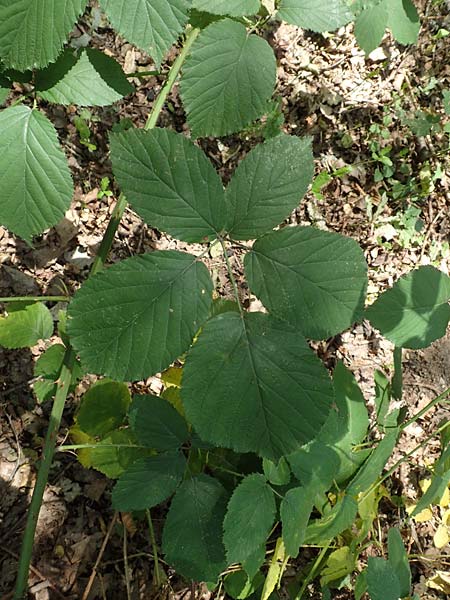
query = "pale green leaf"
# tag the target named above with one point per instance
(295, 510)
(5, 88)
(253, 384)
(48, 369)
(398, 559)
(370, 26)
(170, 183)
(92, 79)
(277, 473)
(317, 15)
(276, 568)
(314, 279)
(103, 407)
(268, 184)
(134, 319)
(403, 20)
(231, 8)
(227, 80)
(157, 424)
(415, 311)
(34, 176)
(25, 325)
(32, 32)
(382, 580)
(151, 25)
(148, 482)
(248, 522)
(192, 535)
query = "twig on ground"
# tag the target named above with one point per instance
(99, 558)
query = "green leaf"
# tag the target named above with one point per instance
(227, 80)
(370, 26)
(253, 384)
(34, 175)
(254, 561)
(48, 368)
(276, 569)
(92, 79)
(317, 15)
(25, 325)
(32, 32)
(238, 585)
(314, 279)
(440, 480)
(398, 559)
(277, 474)
(341, 516)
(361, 585)
(157, 424)
(170, 183)
(248, 522)
(103, 407)
(295, 510)
(5, 88)
(382, 397)
(151, 25)
(268, 184)
(403, 20)
(192, 536)
(382, 580)
(231, 8)
(148, 482)
(415, 311)
(132, 320)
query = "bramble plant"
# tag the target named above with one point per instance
(251, 439)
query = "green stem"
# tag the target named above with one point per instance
(110, 233)
(36, 299)
(143, 74)
(313, 571)
(154, 547)
(231, 275)
(42, 477)
(191, 36)
(96, 445)
(425, 409)
(397, 379)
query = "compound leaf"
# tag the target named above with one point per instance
(317, 15)
(295, 510)
(92, 79)
(170, 183)
(34, 176)
(103, 407)
(151, 25)
(157, 424)
(192, 536)
(148, 482)
(253, 384)
(268, 184)
(132, 320)
(227, 80)
(32, 32)
(231, 8)
(248, 523)
(415, 311)
(314, 279)
(25, 325)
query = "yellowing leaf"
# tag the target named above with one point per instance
(441, 538)
(445, 500)
(425, 515)
(424, 484)
(440, 582)
(172, 377)
(275, 570)
(340, 563)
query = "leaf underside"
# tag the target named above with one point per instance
(25, 325)
(317, 15)
(231, 8)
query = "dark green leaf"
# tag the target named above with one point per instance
(415, 311)
(253, 384)
(268, 184)
(34, 175)
(317, 15)
(249, 519)
(148, 482)
(170, 183)
(157, 424)
(314, 279)
(341, 516)
(103, 407)
(295, 510)
(227, 79)
(92, 79)
(398, 559)
(151, 25)
(232, 8)
(132, 320)
(239, 586)
(32, 32)
(25, 325)
(192, 536)
(382, 580)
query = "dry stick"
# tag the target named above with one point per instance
(87, 589)
(126, 567)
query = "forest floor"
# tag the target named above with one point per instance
(357, 109)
